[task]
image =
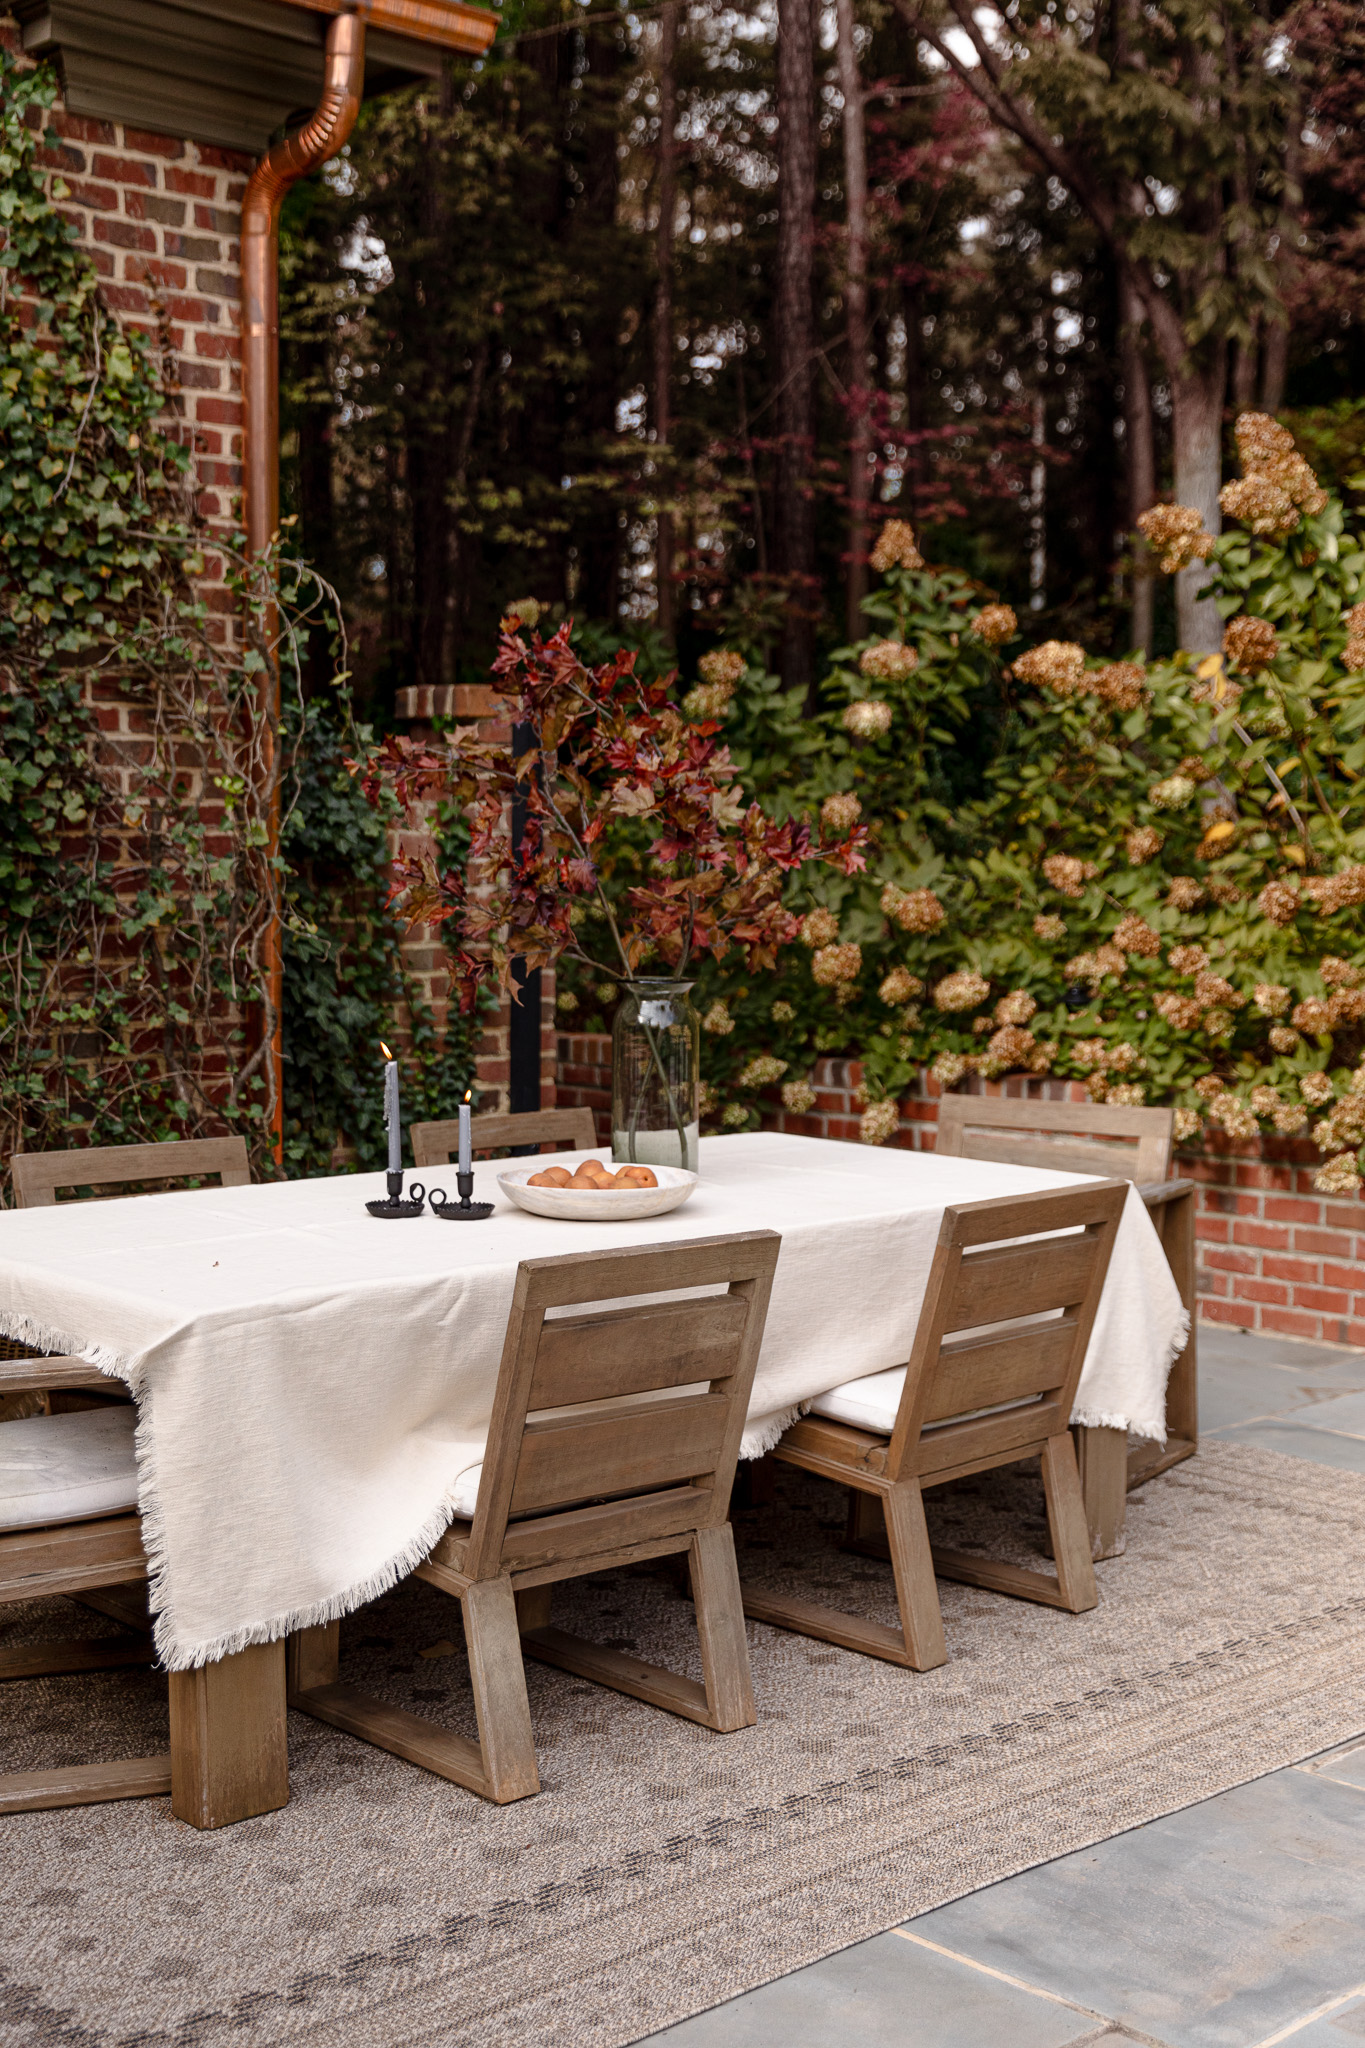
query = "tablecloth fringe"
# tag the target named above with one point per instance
(760, 1436)
(47, 1337)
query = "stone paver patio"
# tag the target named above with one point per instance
(1233, 1924)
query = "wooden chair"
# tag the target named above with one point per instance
(69, 1525)
(435, 1144)
(999, 1391)
(604, 1483)
(1104, 1138)
(38, 1175)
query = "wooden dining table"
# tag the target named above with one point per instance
(315, 1384)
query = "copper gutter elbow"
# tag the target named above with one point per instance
(321, 136)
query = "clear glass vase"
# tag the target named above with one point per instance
(655, 1075)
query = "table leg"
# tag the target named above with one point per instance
(228, 1754)
(1146, 1459)
(1102, 1457)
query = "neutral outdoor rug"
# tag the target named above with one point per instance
(664, 1868)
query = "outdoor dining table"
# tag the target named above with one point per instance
(315, 1384)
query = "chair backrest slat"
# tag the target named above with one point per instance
(38, 1175)
(1064, 1137)
(987, 1292)
(987, 1371)
(636, 1350)
(436, 1144)
(628, 1450)
(609, 1446)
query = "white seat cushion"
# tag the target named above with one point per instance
(67, 1468)
(869, 1403)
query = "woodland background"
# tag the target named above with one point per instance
(653, 313)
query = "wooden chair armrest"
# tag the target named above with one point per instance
(1156, 1193)
(40, 1375)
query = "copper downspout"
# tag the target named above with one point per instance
(320, 138)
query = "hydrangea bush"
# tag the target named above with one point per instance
(1154, 888)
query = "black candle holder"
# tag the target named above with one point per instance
(463, 1211)
(395, 1204)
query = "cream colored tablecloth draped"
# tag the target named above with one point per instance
(312, 1382)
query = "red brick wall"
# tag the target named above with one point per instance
(1274, 1255)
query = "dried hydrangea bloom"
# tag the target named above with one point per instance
(762, 1071)
(718, 1020)
(1142, 844)
(1207, 1086)
(1312, 1016)
(867, 718)
(1176, 533)
(819, 927)
(1289, 1119)
(1124, 1058)
(782, 1012)
(1348, 1120)
(1097, 1087)
(840, 813)
(1093, 967)
(1261, 504)
(1184, 893)
(995, 623)
(707, 701)
(734, 1115)
(1353, 654)
(1261, 440)
(1131, 1094)
(833, 964)
(1279, 901)
(1265, 1100)
(1317, 1088)
(1182, 1013)
(1337, 892)
(879, 1122)
(1217, 1023)
(798, 1096)
(896, 548)
(707, 1099)
(1188, 959)
(1067, 874)
(1250, 643)
(1271, 998)
(1214, 988)
(1283, 1037)
(1339, 973)
(961, 991)
(566, 1001)
(1049, 928)
(1234, 1116)
(526, 610)
(1187, 1124)
(888, 661)
(1085, 1053)
(914, 910)
(1011, 1046)
(1015, 1008)
(1134, 935)
(722, 668)
(1346, 1006)
(1173, 794)
(1120, 683)
(1340, 1176)
(949, 1068)
(1058, 665)
(1222, 891)
(900, 986)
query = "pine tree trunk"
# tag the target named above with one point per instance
(855, 308)
(663, 313)
(794, 335)
(1197, 431)
(1140, 445)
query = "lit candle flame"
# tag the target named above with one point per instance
(385, 1050)
(468, 1094)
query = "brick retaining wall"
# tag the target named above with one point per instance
(1274, 1255)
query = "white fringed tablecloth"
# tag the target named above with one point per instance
(312, 1383)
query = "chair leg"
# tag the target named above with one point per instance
(498, 1674)
(1067, 1522)
(912, 1562)
(720, 1625)
(533, 1608)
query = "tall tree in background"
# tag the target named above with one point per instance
(793, 550)
(663, 310)
(855, 310)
